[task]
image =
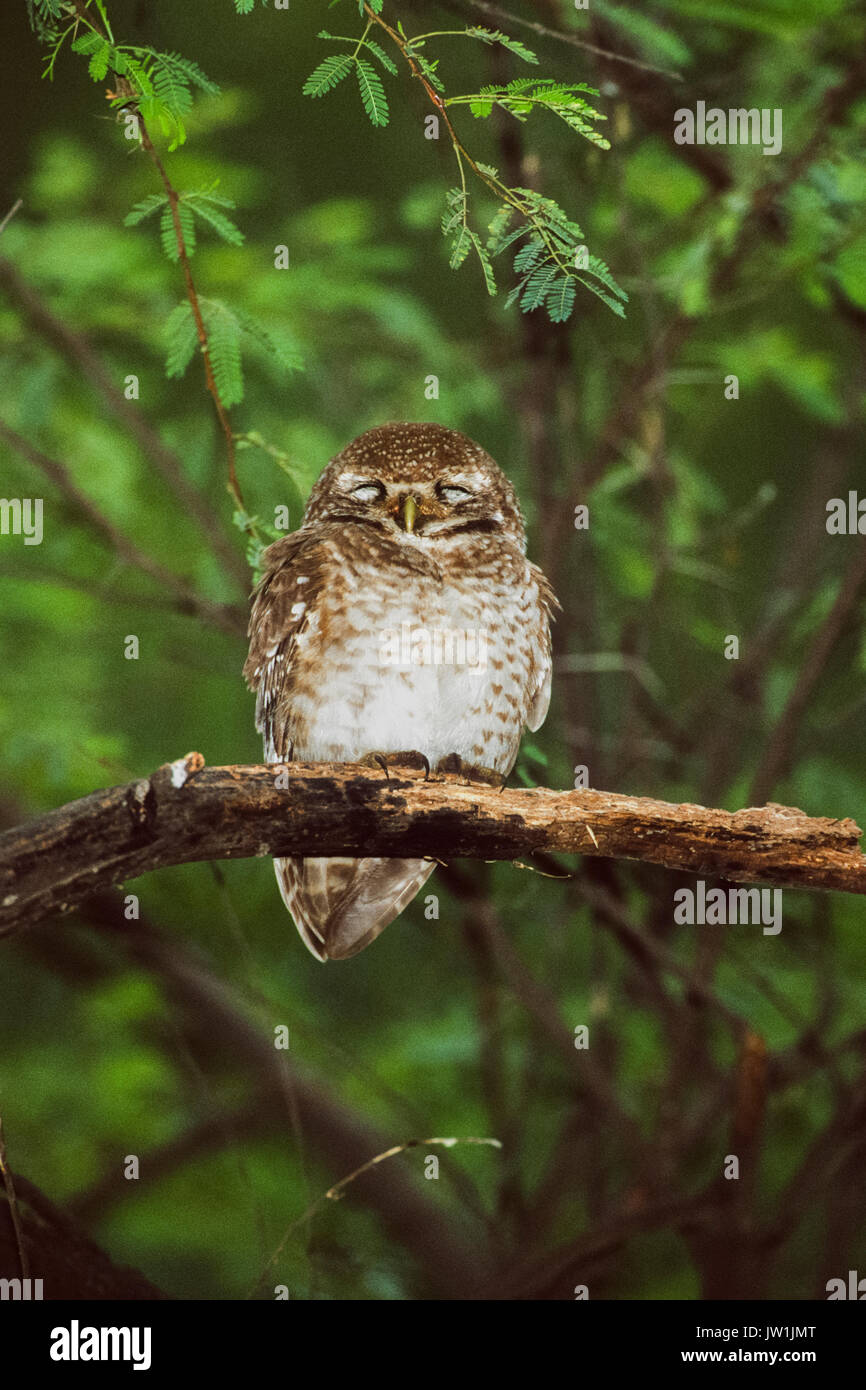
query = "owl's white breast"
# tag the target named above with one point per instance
(467, 694)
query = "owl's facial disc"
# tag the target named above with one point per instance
(421, 510)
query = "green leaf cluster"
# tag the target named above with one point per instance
(549, 264)
(553, 261)
(204, 205)
(225, 328)
(158, 86)
(526, 94)
(333, 69)
(491, 36)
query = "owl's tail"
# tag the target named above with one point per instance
(341, 905)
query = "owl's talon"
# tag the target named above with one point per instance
(411, 758)
(473, 772)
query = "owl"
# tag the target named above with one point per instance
(403, 615)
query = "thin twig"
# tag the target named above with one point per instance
(560, 36)
(338, 1134)
(19, 202)
(334, 1193)
(192, 296)
(107, 592)
(226, 618)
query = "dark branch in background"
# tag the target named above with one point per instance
(646, 378)
(187, 812)
(788, 589)
(185, 598)
(84, 362)
(655, 101)
(780, 751)
(61, 1254)
(14, 1212)
(107, 592)
(341, 1138)
(471, 8)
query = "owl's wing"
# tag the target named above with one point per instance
(540, 702)
(289, 584)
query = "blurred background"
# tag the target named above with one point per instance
(154, 1037)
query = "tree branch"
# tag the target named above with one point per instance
(186, 812)
(227, 618)
(341, 1138)
(61, 1254)
(778, 754)
(466, 7)
(81, 358)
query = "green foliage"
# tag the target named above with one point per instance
(181, 339)
(43, 16)
(549, 264)
(333, 69)
(158, 85)
(225, 328)
(259, 535)
(526, 94)
(224, 339)
(554, 243)
(326, 76)
(463, 239)
(428, 69)
(491, 36)
(207, 207)
(44, 10)
(149, 205)
(556, 238)
(372, 92)
(560, 298)
(168, 232)
(204, 205)
(378, 52)
(387, 63)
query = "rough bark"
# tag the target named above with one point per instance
(186, 811)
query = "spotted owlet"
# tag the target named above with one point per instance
(402, 615)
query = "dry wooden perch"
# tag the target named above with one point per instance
(186, 811)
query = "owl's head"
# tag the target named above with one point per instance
(419, 483)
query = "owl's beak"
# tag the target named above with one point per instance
(410, 511)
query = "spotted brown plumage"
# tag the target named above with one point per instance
(402, 615)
